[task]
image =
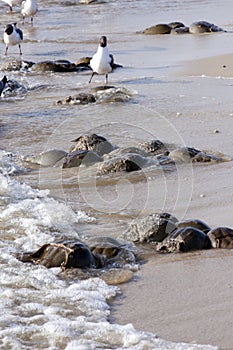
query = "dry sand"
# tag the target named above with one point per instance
(189, 297)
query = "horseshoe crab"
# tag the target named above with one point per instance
(200, 225)
(64, 255)
(76, 158)
(221, 237)
(92, 142)
(151, 228)
(204, 27)
(184, 240)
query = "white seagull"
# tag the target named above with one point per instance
(29, 9)
(12, 36)
(12, 3)
(101, 62)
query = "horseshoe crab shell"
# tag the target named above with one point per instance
(221, 237)
(66, 255)
(184, 240)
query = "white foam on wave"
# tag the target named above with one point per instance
(8, 164)
(31, 213)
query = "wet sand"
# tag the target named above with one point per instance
(189, 297)
(216, 66)
(187, 300)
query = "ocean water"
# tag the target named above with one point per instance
(42, 205)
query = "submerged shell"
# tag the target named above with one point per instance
(47, 158)
(128, 162)
(54, 66)
(76, 158)
(154, 146)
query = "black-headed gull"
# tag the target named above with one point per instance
(101, 62)
(12, 36)
(3, 84)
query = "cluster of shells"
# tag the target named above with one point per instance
(167, 234)
(199, 27)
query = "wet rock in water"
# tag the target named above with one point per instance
(154, 146)
(158, 29)
(221, 237)
(84, 157)
(200, 225)
(92, 142)
(54, 66)
(46, 158)
(79, 99)
(204, 27)
(184, 240)
(152, 228)
(127, 162)
(66, 255)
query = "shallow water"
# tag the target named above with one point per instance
(39, 206)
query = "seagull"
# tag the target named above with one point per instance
(29, 9)
(12, 36)
(12, 3)
(3, 84)
(101, 62)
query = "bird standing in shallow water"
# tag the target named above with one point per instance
(29, 9)
(12, 3)
(12, 36)
(101, 62)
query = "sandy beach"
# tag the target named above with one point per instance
(216, 66)
(182, 297)
(189, 297)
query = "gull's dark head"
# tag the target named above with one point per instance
(4, 80)
(103, 41)
(9, 29)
